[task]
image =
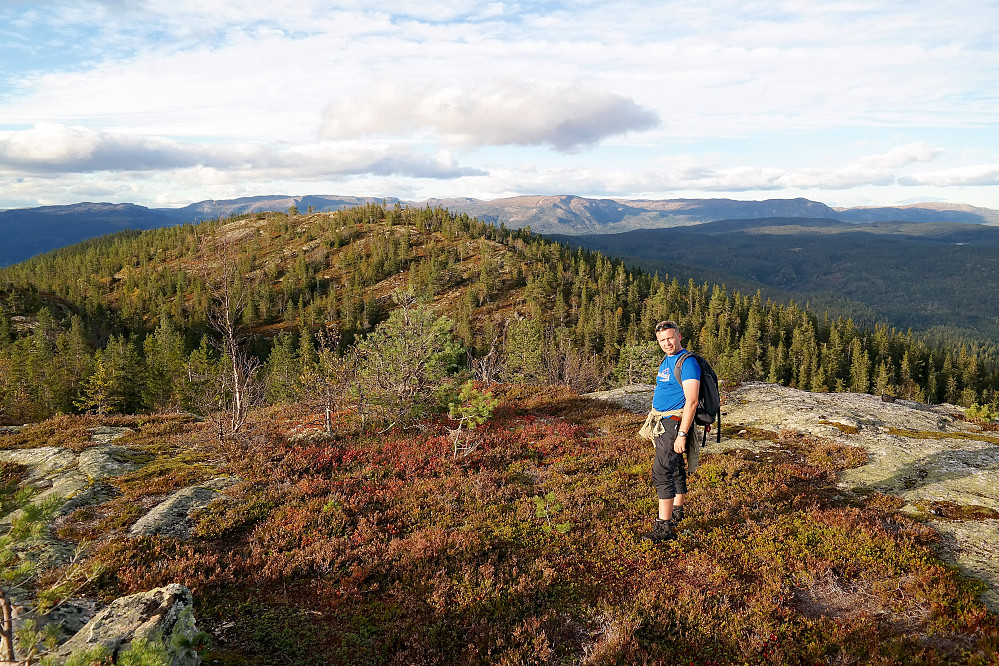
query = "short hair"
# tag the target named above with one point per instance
(666, 325)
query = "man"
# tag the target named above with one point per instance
(670, 426)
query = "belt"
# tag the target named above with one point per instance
(675, 418)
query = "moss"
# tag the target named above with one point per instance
(938, 434)
(165, 474)
(952, 511)
(842, 427)
(749, 432)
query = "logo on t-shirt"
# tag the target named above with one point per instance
(664, 374)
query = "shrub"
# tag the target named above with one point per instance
(403, 359)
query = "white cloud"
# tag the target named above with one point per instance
(878, 169)
(61, 149)
(688, 173)
(237, 94)
(901, 156)
(525, 113)
(976, 174)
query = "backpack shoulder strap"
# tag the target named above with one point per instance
(678, 366)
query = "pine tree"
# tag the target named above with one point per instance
(637, 363)
(405, 358)
(860, 368)
(99, 390)
(6, 330)
(884, 380)
(282, 370)
(163, 388)
(523, 352)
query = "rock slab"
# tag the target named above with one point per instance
(173, 517)
(163, 614)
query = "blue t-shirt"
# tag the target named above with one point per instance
(669, 393)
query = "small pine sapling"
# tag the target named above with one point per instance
(17, 568)
(473, 408)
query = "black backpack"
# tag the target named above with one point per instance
(708, 401)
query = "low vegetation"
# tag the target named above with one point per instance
(350, 548)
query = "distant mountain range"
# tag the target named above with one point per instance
(579, 216)
(30, 231)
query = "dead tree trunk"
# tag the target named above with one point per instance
(7, 657)
(229, 297)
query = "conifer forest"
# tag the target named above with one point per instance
(124, 323)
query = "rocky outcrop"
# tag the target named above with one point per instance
(59, 472)
(173, 517)
(81, 480)
(944, 468)
(163, 615)
(51, 469)
(634, 397)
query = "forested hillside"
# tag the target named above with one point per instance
(157, 320)
(938, 278)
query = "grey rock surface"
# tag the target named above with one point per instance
(634, 397)
(100, 462)
(105, 434)
(79, 478)
(173, 517)
(163, 614)
(51, 469)
(59, 472)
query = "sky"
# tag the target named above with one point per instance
(168, 102)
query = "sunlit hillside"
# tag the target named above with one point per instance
(129, 316)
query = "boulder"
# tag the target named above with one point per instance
(164, 614)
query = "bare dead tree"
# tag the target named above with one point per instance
(329, 378)
(567, 365)
(238, 390)
(488, 367)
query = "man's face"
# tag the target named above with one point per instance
(669, 340)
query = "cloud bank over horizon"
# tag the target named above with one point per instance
(166, 103)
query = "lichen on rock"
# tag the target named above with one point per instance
(163, 614)
(173, 517)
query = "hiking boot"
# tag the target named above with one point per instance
(661, 531)
(677, 515)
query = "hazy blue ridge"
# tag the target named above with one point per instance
(31, 231)
(911, 275)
